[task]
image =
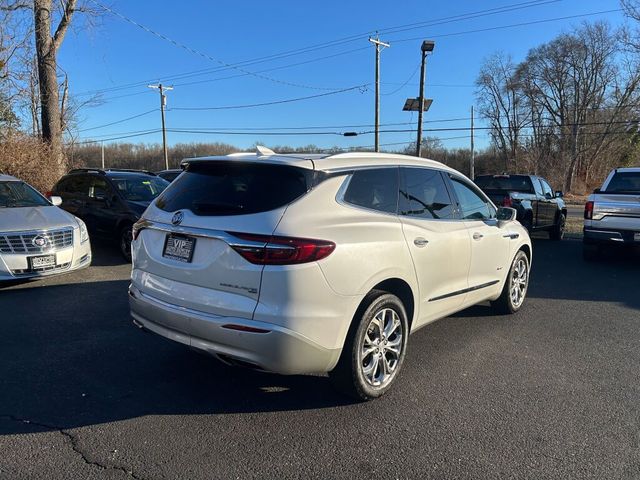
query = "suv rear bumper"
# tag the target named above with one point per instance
(594, 236)
(280, 350)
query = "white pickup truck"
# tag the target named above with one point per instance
(612, 213)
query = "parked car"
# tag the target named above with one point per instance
(169, 175)
(313, 263)
(538, 207)
(36, 237)
(612, 213)
(109, 201)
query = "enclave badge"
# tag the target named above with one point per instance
(177, 218)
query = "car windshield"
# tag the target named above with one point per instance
(511, 183)
(139, 188)
(19, 194)
(623, 182)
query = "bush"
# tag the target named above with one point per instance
(28, 159)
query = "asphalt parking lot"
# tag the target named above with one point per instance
(550, 393)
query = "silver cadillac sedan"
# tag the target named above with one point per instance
(36, 237)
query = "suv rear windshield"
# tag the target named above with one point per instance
(623, 182)
(19, 194)
(510, 183)
(230, 188)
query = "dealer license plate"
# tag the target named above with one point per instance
(179, 247)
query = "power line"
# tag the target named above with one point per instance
(513, 25)
(117, 121)
(202, 54)
(362, 88)
(299, 51)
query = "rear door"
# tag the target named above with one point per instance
(489, 243)
(438, 241)
(102, 206)
(185, 258)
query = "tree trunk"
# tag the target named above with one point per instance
(48, 82)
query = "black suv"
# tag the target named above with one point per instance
(109, 201)
(538, 206)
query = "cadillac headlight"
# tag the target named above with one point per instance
(84, 234)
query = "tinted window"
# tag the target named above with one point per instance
(75, 184)
(625, 182)
(376, 189)
(99, 188)
(19, 194)
(512, 183)
(139, 188)
(231, 188)
(424, 194)
(472, 205)
(169, 176)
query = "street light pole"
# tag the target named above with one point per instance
(163, 104)
(378, 44)
(427, 46)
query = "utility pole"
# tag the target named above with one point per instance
(427, 46)
(102, 153)
(472, 166)
(379, 45)
(163, 104)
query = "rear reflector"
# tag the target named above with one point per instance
(244, 328)
(588, 210)
(272, 250)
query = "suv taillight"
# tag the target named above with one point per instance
(507, 202)
(588, 210)
(272, 250)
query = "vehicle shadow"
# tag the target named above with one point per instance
(106, 253)
(70, 356)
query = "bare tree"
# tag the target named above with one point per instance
(501, 103)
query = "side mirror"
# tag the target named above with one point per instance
(597, 190)
(55, 200)
(506, 214)
(559, 194)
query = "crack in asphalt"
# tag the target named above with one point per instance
(73, 440)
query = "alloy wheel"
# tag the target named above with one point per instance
(382, 347)
(519, 282)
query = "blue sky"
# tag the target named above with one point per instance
(117, 53)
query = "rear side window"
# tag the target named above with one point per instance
(512, 183)
(624, 182)
(230, 188)
(424, 194)
(75, 184)
(375, 189)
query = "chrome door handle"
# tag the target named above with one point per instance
(477, 236)
(420, 242)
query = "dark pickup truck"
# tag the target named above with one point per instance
(538, 206)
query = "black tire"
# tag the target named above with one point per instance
(506, 304)
(124, 241)
(557, 232)
(590, 252)
(349, 376)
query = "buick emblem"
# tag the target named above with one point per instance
(177, 218)
(40, 241)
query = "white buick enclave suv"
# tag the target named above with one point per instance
(36, 237)
(320, 263)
